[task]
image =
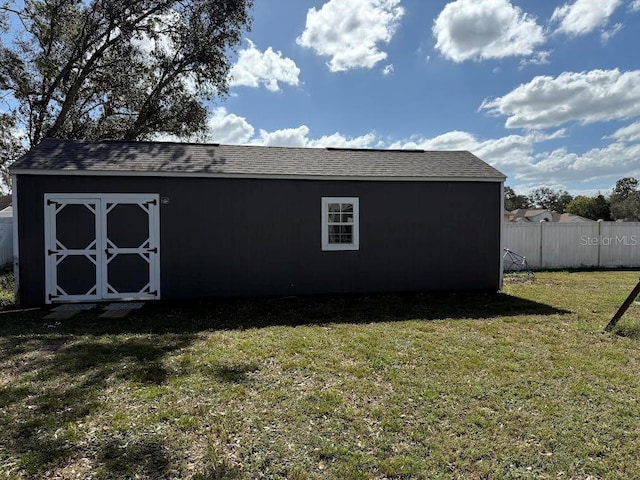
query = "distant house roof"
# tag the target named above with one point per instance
(6, 212)
(571, 218)
(530, 215)
(535, 214)
(72, 157)
(5, 201)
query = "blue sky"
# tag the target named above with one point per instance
(547, 92)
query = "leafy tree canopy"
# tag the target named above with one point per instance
(627, 209)
(513, 201)
(549, 199)
(624, 187)
(595, 208)
(10, 146)
(625, 200)
(115, 69)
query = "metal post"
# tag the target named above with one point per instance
(623, 308)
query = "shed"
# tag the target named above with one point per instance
(154, 220)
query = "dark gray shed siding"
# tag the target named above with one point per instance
(231, 237)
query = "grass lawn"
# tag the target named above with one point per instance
(520, 384)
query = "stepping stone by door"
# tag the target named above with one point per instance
(61, 315)
(124, 306)
(74, 307)
(111, 310)
(68, 310)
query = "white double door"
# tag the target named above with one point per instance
(101, 247)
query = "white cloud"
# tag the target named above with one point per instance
(339, 140)
(538, 58)
(515, 155)
(607, 35)
(519, 156)
(508, 153)
(630, 133)
(482, 29)
(635, 6)
(584, 16)
(350, 31)
(286, 137)
(299, 137)
(229, 128)
(598, 95)
(611, 162)
(388, 70)
(255, 68)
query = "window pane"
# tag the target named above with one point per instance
(334, 207)
(334, 234)
(347, 207)
(334, 218)
(340, 234)
(347, 218)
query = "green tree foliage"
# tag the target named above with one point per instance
(116, 69)
(513, 201)
(625, 200)
(595, 208)
(624, 187)
(10, 145)
(602, 209)
(549, 199)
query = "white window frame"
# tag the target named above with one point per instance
(355, 245)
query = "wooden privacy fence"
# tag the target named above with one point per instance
(6, 240)
(575, 245)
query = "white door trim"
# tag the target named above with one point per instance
(52, 291)
(99, 200)
(149, 250)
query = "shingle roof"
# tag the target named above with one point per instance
(54, 156)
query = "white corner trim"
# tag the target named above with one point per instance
(500, 253)
(16, 238)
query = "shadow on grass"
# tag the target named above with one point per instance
(318, 310)
(125, 457)
(195, 316)
(62, 372)
(59, 380)
(628, 331)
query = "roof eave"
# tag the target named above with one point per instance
(140, 173)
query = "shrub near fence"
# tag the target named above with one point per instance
(575, 245)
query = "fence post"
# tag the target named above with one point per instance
(541, 244)
(599, 242)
